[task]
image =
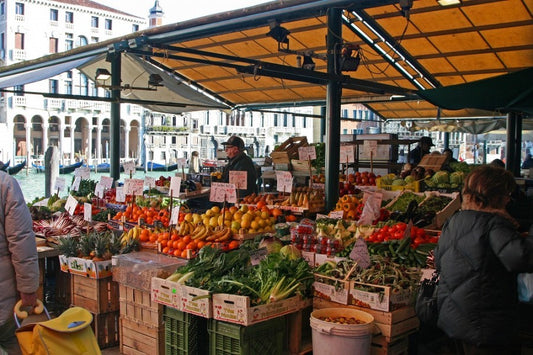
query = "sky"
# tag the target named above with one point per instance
(179, 10)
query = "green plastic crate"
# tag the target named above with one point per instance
(262, 338)
(185, 333)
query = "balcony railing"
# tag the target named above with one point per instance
(19, 54)
(19, 100)
(19, 18)
(53, 104)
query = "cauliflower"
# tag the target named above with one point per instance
(457, 177)
(441, 177)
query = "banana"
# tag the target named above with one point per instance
(198, 231)
(218, 234)
(201, 235)
(136, 232)
(224, 237)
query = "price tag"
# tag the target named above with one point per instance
(307, 153)
(321, 216)
(336, 214)
(174, 215)
(182, 162)
(88, 212)
(221, 192)
(347, 154)
(83, 172)
(175, 184)
(149, 181)
(284, 181)
(129, 167)
(99, 190)
(360, 253)
(120, 195)
(76, 184)
(42, 203)
(370, 147)
(239, 179)
(70, 205)
(134, 186)
(106, 181)
(257, 255)
(59, 184)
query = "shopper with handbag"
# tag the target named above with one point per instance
(479, 254)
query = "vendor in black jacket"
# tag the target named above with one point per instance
(239, 161)
(478, 256)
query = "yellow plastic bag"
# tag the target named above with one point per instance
(70, 333)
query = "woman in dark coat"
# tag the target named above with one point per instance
(478, 256)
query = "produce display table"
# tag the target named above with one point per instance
(49, 267)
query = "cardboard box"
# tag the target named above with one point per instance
(309, 256)
(202, 307)
(322, 258)
(237, 309)
(165, 292)
(331, 289)
(90, 268)
(381, 298)
(63, 263)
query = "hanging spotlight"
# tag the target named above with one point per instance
(349, 61)
(102, 74)
(155, 80)
(278, 33)
(308, 63)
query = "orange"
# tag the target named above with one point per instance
(184, 254)
(177, 252)
(261, 204)
(165, 250)
(234, 244)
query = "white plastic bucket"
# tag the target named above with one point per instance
(332, 339)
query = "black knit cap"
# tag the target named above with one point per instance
(235, 141)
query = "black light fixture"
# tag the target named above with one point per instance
(350, 57)
(155, 80)
(308, 63)
(102, 74)
(280, 34)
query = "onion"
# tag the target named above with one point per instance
(272, 244)
(291, 252)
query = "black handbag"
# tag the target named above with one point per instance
(426, 301)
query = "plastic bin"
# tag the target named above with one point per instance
(262, 338)
(185, 333)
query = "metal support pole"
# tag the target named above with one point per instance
(446, 140)
(514, 143)
(115, 117)
(322, 123)
(333, 108)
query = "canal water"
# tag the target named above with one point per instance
(32, 183)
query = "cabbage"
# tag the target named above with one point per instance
(398, 182)
(457, 177)
(441, 177)
(291, 252)
(409, 179)
(272, 244)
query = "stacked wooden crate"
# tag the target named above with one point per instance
(287, 151)
(100, 297)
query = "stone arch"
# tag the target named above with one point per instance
(36, 136)
(19, 135)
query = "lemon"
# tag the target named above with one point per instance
(215, 209)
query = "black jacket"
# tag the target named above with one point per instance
(242, 162)
(479, 255)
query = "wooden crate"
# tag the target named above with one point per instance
(139, 339)
(380, 346)
(288, 150)
(95, 295)
(137, 305)
(106, 328)
(432, 161)
(299, 331)
(391, 325)
(63, 288)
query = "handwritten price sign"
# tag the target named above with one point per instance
(76, 184)
(120, 195)
(307, 153)
(83, 172)
(370, 148)
(106, 181)
(99, 190)
(360, 253)
(182, 162)
(87, 212)
(71, 204)
(284, 181)
(221, 192)
(129, 167)
(175, 184)
(174, 215)
(149, 181)
(239, 179)
(347, 154)
(134, 186)
(59, 184)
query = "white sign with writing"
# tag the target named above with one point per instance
(336, 214)
(347, 154)
(284, 181)
(307, 153)
(99, 190)
(129, 167)
(106, 181)
(76, 184)
(83, 172)
(120, 195)
(134, 186)
(221, 192)
(174, 215)
(360, 253)
(70, 205)
(88, 212)
(182, 162)
(59, 184)
(149, 181)
(239, 179)
(175, 185)
(370, 148)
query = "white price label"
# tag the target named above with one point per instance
(347, 154)
(175, 185)
(174, 215)
(182, 162)
(284, 181)
(307, 153)
(99, 190)
(59, 184)
(239, 179)
(129, 167)
(149, 181)
(70, 205)
(360, 253)
(106, 181)
(370, 148)
(120, 195)
(134, 186)
(221, 192)
(83, 172)
(76, 184)
(88, 212)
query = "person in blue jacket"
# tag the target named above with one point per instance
(479, 254)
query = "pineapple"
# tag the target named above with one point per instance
(115, 243)
(101, 243)
(68, 246)
(87, 242)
